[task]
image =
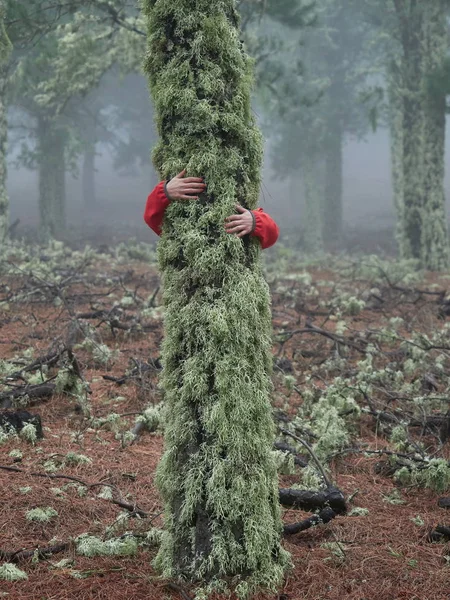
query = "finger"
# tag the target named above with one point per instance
(188, 197)
(193, 186)
(240, 235)
(240, 208)
(182, 174)
(193, 179)
(191, 190)
(233, 218)
(236, 229)
(239, 223)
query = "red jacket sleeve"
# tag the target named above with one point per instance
(155, 208)
(266, 230)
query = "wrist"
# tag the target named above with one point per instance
(166, 191)
(253, 221)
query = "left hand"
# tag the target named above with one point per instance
(240, 224)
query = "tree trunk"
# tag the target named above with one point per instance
(88, 173)
(413, 134)
(217, 476)
(5, 52)
(60, 181)
(314, 209)
(423, 228)
(333, 210)
(52, 179)
(396, 133)
(435, 249)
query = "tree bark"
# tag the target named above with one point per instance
(5, 52)
(396, 134)
(88, 173)
(217, 477)
(314, 209)
(52, 179)
(419, 183)
(333, 209)
(435, 249)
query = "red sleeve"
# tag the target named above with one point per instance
(155, 208)
(266, 229)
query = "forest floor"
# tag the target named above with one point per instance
(382, 555)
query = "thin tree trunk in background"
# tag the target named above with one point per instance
(88, 171)
(88, 178)
(333, 209)
(435, 248)
(47, 226)
(52, 180)
(413, 133)
(5, 52)
(59, 196)
(314, 209)
(396, 135)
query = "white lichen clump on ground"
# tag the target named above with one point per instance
(41, 515)
(9, 572)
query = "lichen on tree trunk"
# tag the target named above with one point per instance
(5, 52)
(418, 120)
(217, 476)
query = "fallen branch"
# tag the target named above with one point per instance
(311, 451)
(313, 500)
(439, 534)
(41, 390)
(289, 450)
(325, 516)
(133, 508)
(41, 552)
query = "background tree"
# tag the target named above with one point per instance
(323, 111)
(217, 476)
(65, 66)
(5, 52)
(414, 37)
(423, 35)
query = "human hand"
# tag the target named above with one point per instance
(185, 188)
(240, 224)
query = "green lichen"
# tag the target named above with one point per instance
(218, 476)
(9, 572)
(89, 545)
(72, 458)
(41, 515)
(29, 433)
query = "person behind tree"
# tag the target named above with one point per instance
(256, 223)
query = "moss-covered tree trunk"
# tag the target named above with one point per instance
(435, 249)
(52, 179)
(217, 477)
(423, 229)
(396, 134)
(5, 52)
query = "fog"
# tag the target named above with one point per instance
(367, 196)
(322, 92)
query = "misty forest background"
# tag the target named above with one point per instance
(328, 73)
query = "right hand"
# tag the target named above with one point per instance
(185, 188)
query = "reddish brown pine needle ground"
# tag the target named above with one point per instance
(384, 555)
